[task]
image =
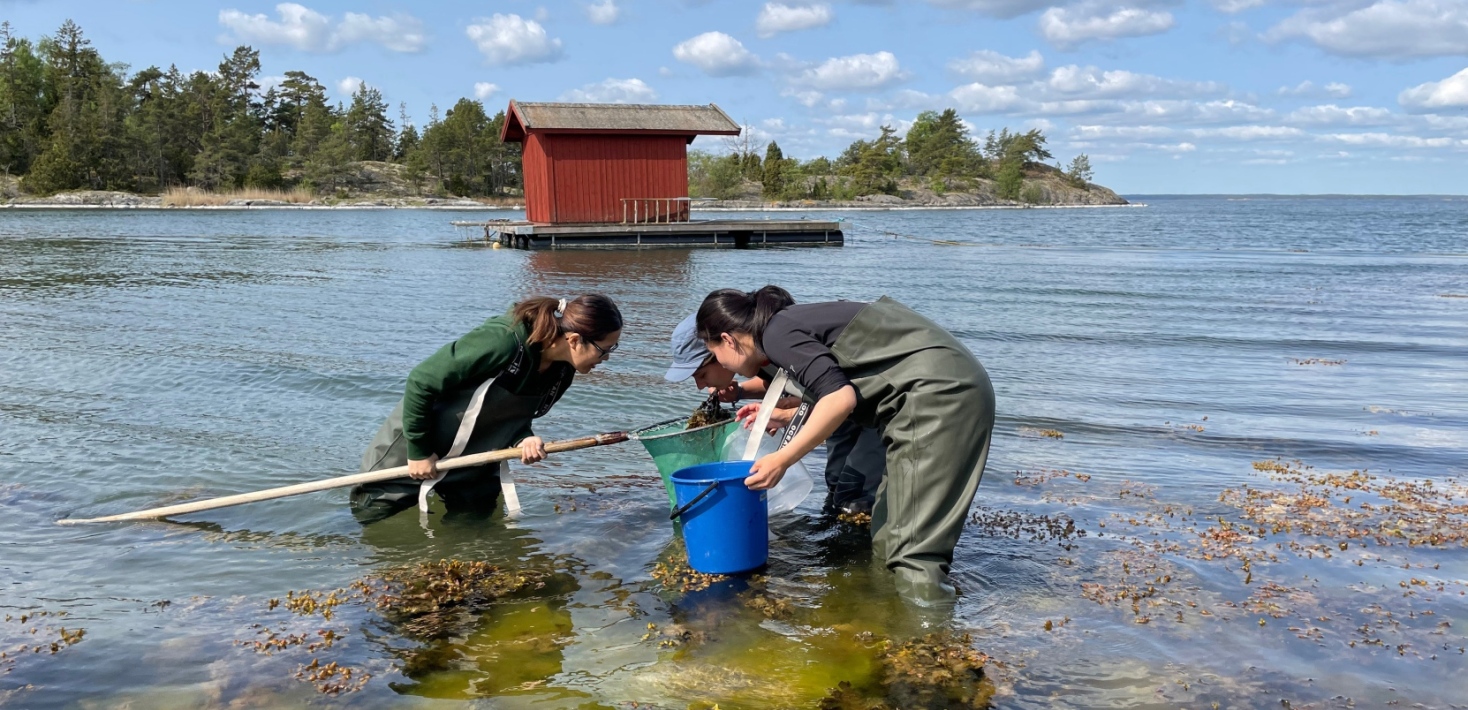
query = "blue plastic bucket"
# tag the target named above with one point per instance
(727, 530)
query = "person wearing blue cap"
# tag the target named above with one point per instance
(855, 457)
(880, 364)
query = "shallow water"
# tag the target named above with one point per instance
(152, 357)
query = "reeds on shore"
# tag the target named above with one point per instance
(193, 197)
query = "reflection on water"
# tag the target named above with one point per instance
(655, 268)
(1164, 548)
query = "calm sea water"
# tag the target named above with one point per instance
(152, 357)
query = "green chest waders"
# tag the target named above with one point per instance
(934, 404)
(467, 422)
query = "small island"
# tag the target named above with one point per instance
(936, 164)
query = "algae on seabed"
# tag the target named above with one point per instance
(759, 641)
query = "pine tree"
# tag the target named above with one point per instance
(505, 159)
(369, 129)
(22, 103)
(84, 148)
(874, 165)
(938, 145)
(232, 141)
(1079, 172)
(772, 183)
(407, 140)
(297, 94)
(1009, 180)
(328, 165)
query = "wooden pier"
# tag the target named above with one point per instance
(715, 233)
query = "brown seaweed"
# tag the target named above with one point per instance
(939, 670)
(427, 602)
(33, 640)
(710, 411)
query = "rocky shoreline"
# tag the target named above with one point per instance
(374, 185)
(98, 199)
(101, 199)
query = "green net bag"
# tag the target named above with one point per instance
(672, 447)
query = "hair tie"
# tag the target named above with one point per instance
(561, 308)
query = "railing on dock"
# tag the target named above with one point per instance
(654, 210)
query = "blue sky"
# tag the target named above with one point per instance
(1165, 96)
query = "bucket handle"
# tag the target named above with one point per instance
(684, 508)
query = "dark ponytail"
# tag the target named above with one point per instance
(593, 315)
(730, 310)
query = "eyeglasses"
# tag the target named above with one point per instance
(604, 353)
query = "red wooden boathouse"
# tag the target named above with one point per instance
(608, 163)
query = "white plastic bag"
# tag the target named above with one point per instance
(793, 487)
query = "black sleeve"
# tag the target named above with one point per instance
(809, 361)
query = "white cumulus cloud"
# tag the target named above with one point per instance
(484, 90)
(400, 34)
(1391, 140)
(1451, 92)
(349, 85)
(512, 39)
(777, 17)
(613, 91)
(605, 12)
(717, 54)
(1067, 27)
(307, 30)
(1384, 28)
(1334, 89)
(1333, 115)
(1121, 132)
(1249, 133)
(981, 98)
(991, 67)
(855, 72)
(1228, 111)
(1089, 82)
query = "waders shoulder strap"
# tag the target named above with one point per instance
(461, 440)
(466, 430)
(766, 409)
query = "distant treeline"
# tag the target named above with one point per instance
(937, 149)
(70, 120)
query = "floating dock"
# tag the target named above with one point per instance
(714, 233)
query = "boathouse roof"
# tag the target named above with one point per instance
(523, 118)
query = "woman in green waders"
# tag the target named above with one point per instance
(882, 365)
(480, 393)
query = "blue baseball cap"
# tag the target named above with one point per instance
(689, 352)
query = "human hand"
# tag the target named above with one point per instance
(779, 419)
(732, 393)
(532, 450)
(423, 469)
(766, 472)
